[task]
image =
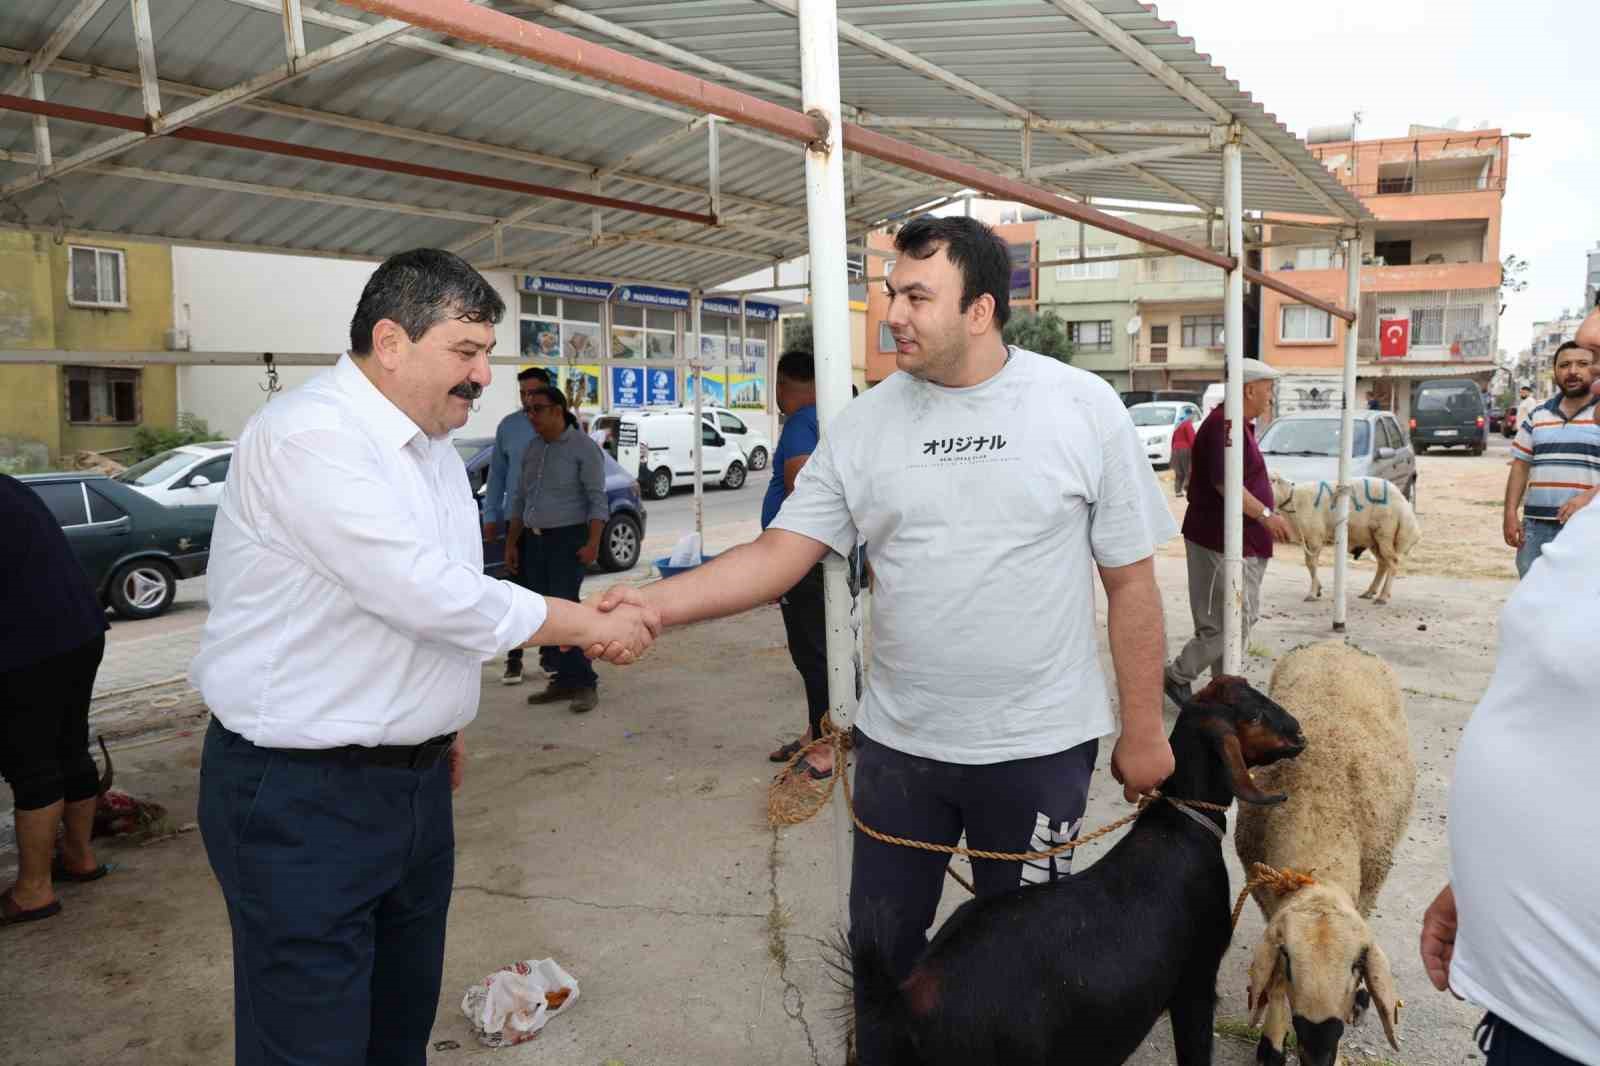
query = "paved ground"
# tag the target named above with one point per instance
(630, 844)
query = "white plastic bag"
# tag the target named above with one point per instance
(686, 552)
(511, 1005)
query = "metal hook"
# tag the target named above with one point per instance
(272, 385)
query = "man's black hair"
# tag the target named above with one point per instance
(419, 289)
(797, 366)
(1568, 346)
(975, 249)
(538, 373)
(554, 395)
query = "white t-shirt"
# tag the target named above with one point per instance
(985, 511)
(1523, 821)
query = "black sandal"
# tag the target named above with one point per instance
(785, 753)
(11, 914)
(59, 872)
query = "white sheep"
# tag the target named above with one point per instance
(1380, 519)
(1350, 795)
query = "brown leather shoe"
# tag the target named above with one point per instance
(585, 700)
(553, 693)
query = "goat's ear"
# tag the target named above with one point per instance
(1266, 974)
(1226, 741)
(1380, 982)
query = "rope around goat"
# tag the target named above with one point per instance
(1284, 882)
(780, 814)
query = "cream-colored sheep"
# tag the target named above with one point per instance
(1381, 519)
(1350, 795)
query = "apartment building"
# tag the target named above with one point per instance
(1430, 271)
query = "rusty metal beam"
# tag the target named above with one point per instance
(350, 159)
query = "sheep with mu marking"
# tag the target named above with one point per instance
(1350, 796)
(1381, 519)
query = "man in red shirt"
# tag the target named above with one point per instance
(1182, 442)
(1202, 532)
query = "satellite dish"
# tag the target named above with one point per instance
(1135, 324)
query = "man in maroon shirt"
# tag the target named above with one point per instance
(1202, 532)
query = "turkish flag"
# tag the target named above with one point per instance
(1394, 337)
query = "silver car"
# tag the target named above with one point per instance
(1305, 447)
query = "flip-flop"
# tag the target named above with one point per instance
(59, 872)
(11, 914)
(785, 753)
(810, 771)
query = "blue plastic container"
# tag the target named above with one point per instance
(663, 564)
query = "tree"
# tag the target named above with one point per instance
(1512, 269)
(1045, 334)
(153, 440)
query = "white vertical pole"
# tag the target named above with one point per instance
(830, 316)
(1233, 413)
(1341, 534)
(714, 167)
(697, 361)
(41, 127)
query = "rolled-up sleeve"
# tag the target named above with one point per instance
(592, 469)
(1130, 516)
(332, 503)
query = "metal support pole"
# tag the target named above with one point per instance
(830, 315)
(1233, 415)
(714, 166)
(698, 363)
(145, 45)
(1341, 534)
(41, 126)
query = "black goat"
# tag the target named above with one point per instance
(1079, 970)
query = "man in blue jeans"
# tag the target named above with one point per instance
(1555, 459)
(558, 509)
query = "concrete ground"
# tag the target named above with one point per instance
(631, 845)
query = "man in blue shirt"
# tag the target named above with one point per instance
(804, 619)
(511, 439)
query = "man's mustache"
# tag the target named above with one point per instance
(467, 390)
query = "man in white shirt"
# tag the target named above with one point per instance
(350, 618)
(992, 483)
(1516, 931)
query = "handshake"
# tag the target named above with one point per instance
(620, 626)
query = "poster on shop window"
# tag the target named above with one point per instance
(747, 377)
(627, 386)
(540, 339)
(712, 384)
(661, 386)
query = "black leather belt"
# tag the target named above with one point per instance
(406, 756)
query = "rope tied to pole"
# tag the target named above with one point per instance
(783, 808)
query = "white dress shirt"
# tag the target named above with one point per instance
(348, 599)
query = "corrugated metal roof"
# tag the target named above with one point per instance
(419, 98)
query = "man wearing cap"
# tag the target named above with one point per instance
(1202, 532)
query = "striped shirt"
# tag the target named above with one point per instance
(1564, 454)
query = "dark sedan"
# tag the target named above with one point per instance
(620, 542)
(134, 549)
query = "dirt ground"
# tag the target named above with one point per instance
(631, 845)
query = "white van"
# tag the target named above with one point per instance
(666, 449)
(1212, 397)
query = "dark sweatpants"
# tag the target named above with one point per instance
(1505, 1045)
(805, 622)
(44, 728)
(550, 564)
(1021, 805)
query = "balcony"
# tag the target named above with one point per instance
(1408, 186)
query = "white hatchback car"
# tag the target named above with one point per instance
(1156, 423)
(757, 449)
(189, 474)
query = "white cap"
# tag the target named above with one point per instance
(1256, 370)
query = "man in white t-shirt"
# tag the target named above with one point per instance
(1516, 930)
(992, 483)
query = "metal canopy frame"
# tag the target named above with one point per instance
(694, 113)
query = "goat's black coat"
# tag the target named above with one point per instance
(1078, 970)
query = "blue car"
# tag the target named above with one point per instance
(622, 539)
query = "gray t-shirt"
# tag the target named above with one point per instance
(986, 510)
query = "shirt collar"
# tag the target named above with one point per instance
(392, 426)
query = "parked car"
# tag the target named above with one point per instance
(1132, 397)
(621, 541)
(134, 549)
(1215, 393)
(185, 476)
(1156, 422)
(752, 444)
(1448, 413)
(1305, 447)
(666, 450)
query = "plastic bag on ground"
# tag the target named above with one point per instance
(686, 552)
(512, 1004)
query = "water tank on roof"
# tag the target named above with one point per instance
(1343, 131)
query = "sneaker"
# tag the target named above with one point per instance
(585, 700)
(513, 674)
(1177, 692)
(553, 693)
